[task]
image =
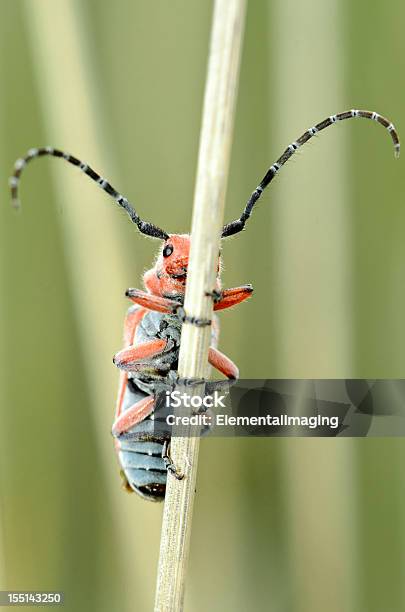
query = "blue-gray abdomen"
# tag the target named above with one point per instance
(140, 449)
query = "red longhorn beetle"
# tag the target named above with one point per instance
(153, 325)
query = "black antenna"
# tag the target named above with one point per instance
(144, 227)
(237, 226)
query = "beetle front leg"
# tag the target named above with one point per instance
(165, 305)
(230, 297)
(185, 318)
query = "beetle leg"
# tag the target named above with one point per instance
(230, 297)
(135, 414)
(132, 319)
(170, 467)
(124, 483)
(166, 305)
(129, 357)
(222, 363)
(152, 302)
(215, 294)
(185, 318)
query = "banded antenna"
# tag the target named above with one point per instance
(238, 225)
(144, 227)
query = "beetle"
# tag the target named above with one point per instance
(152, 327)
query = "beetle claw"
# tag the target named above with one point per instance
(216, 295)
(170, 467)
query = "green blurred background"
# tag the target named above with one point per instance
(280, 525)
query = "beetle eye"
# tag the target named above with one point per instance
(168, 250)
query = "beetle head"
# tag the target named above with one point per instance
(168, 277)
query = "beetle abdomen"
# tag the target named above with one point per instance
(144, 468)
(140, 452)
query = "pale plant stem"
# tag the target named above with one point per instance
(209, 197)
